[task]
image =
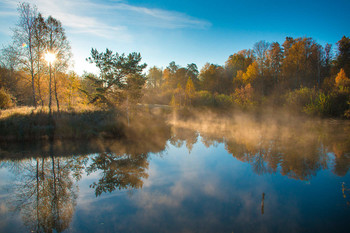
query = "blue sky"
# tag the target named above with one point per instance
(184, 31)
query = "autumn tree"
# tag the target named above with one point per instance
(260, 51)
(214, 79)
(24, 41)
(341, 80)
(190, 91)
(343, 58)
(302, 62)
(154, 77)
(239, 61)
(40, 45)
(274, 56)
(58, 45)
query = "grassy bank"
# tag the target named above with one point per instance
(28, 124)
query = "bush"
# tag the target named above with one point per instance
(312, 102)
(6, 99)
(320, 105)
(222, 100)
(300, 98)
(203, 98)
(244, 97)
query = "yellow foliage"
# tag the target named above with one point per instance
(341, 80)
(251, 74)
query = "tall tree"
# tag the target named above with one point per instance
(343, 57)
(213, 78)
(24, 40)
(58, 45)
(275, 56)
(40, 32)
(154, 77)
(239, 61)
(190, 91)
(260, 51)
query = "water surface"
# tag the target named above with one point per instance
(217, 175)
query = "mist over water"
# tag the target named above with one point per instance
(185, 172)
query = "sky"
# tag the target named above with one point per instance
(184, 31)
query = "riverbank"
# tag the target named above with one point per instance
(29, 124)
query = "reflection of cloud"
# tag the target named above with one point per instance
(3, 208)
(106, 19)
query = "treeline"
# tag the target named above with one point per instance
(300, 74)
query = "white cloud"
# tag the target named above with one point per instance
(106, 19)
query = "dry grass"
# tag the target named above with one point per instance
(29, 124)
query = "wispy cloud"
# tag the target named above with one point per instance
(163, 18)
(110, 19)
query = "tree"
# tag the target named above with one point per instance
(134, 85)
(154, 77)
(114, 69)
(24, 40)
(213, 78)
(342, 81)
(239, 61)
(302, 62)
(192, 72)
(57, 44)
(343, 57)
(275, 56)
(190, 91)
(260, 51)
(40, 45)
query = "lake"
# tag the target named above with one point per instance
(207, 174)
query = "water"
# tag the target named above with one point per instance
(213, 176)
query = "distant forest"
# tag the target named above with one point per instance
(299, 74)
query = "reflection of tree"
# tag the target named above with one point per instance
(297, 149)
(44, 192)
(118, 171)
(180, 135)
(345, 191)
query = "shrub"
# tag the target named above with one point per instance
(301, 97)
(203, 98)
(222, 100)
(244, 97)
(6, 99)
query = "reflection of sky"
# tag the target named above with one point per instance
(209, 190)
(7, 219)
(206, 190)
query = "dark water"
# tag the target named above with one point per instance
(200, 176)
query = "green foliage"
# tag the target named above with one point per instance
(300, 98)
(6, 99)
(320, 105)
(134, 85)
(223, 101)
(313, 102)
(114, 69)
(203, 98)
